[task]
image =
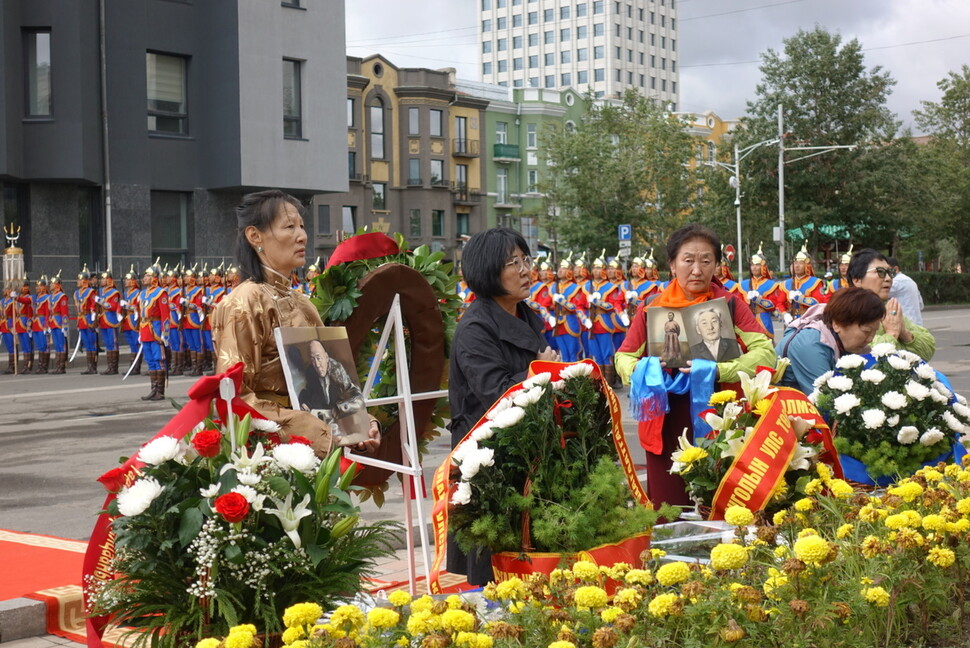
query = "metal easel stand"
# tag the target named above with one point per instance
(411, 465)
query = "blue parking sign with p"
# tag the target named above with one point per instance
(624, 232)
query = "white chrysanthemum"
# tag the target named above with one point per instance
(577, 370)
(916, 390)
(906, 354)
(462, 494)
(483, 431)
(943, 389)
(873, 376)
(931, 437)
(899, 364)
(498, 408)
(873, 418)
(134, 499)
(265, 425)
(814, 396)
(468, 446)
(296, 456)
(538, 379)
(893, 400)
(952, 422)
(158, 451)
(961, 409)
(248, 477)
(509, 417)
(907, 435)
(211, 491)
(938, 397)
(524, 397)
(846, 402)
(925, 371)
(962, 399)
(850, 361)
(475, 460)
(254, 498)
(883, 348)
(841, 383)
(823, 379)
(802, 459)
(558, 385)
(893, 420)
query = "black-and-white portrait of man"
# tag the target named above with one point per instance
(717, 341)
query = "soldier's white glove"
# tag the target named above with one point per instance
(596, 296)
(787, 318)
(587, 324)
(630, 295)
(795, 295)
(123, 303)
(625, 319)
(753, 295)
(558, 298)
(551, 320)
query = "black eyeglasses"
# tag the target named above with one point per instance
(883, 272)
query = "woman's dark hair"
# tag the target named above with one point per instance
(689, 232)
(853, 306)
(483, 259)
(259, 210)
(859, 264)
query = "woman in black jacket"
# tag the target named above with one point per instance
(496, 339)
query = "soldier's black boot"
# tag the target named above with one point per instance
(152, 380)
(92, 364)
(112, 360)
(196, 359)
(43, 362)
(178, 363)
(28, 363)
(12, 360)
(159, 387)
(60, 363)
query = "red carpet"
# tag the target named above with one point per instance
(29, 563)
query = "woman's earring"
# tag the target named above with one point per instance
(259, 250)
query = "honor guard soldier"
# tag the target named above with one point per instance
(87, 319)
(726, 277)
(42, 327)
(570, 301)
(599, 292)
(6, 328)
(214, 294)
(635, 287)
(465, 294)
(129, 318)
(621, 320)
(803, 289)
(109, 320)
(24, 326)
(312, 272)
(176, 339)
(540, 302)
(59, 323)
(764, 295)
(581, 276)
(233, 278)
(153, 329)
(193, 307)
(842, 280)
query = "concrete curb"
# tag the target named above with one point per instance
(21, 618)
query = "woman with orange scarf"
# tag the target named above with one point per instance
(693, 254)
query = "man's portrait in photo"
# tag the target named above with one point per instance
(712, 337)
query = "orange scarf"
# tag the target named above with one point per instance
(674, 296)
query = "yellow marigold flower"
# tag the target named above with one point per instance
(293, 634)
(627, 598)
(454, 602)
(657, 553)
(208, 642)
(723, 396)
(871, 546)
(245, 627)
(843, 531)
(963, 506)
(909, 538)
(609, 614)
(964, 475)
(348, 614)
(814, 487)
(638, 577)
(562, 644)
(896, 521)
(807, 531)
(878, 596)
(932, 475)
(941, 556)
(811, 549)
(663, 605)
(239, 640)
(302, 643)
(616, 571)
(586, 571)
(383, 618)
(907, 490)
(781, 551)
(399, 598)
(511, 589)
(865, 580)
(869, 513)
(960, 526)
(774, 581)
(302, 614)
(841, 489)
(457, 621)
(332, 632)
(472, 640)
(421, 604)
(673, 573)
(779, 517)
(934, 522)
(590, 596)
(951, 470)
(728, 556)
(823, 470)
(738, 516)
(914, 518)
(421, 622)
(805, 504)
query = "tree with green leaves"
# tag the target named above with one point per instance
(625, 162)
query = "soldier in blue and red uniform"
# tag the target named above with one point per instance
(176, 339)
(109, 320)
(41, 327)
(153, 329)
(312, 272)
(540, 302)
(24, 327)
(87, 325)
(570, 301)
(129, 321)
(599, 292)
(724, 275)
(465, 293)
(803, 289)
(215, 292)
(192, 304)
(842, 281)
(621, 319)
(765, 295)
(6, 328)
(59, 322)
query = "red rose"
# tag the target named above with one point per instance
(232, 506)
(207, 443)
(295, 438)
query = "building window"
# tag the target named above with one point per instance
(640, 15)
(436, 117)
(502, 45)
(549, 37)
(548, 15)
(414, 121)
(486, 5)
(641, 80)
(351, 120)
(531, 136)
(533, 39)
(640, 35)
(437, 222)
(640, 56)
(415, 223)
(599, 52)
(502, 23)
(565, 56)
(486, 47)
(599, 29)
(581, 32)
(673, 66)
(502, 186)
(673, 87)
(629, 56)
(501, 4)
(437, 172)
(517, 63)
(461, 225)
(582, 77)
(414, 172)
(292, 101)
(171, 214)
(653, 83)
(566, 79)
(619, 75)
(599, 74)
(501, 132)
(461, 177)
(533, 180)
(564, 12)
(663, 85)
(564, 34)
(663, 42)
(653, 40)
(487, 67)
(517, 20)
(533, 82)
(629, 77)
(582, 54)
(351, 164)
(580, 9)
(673, 44)
(597, 6)
(323, 219)
(550, 58)
(377, 130)
(38, 73)
(486, 25)
(348, 218)
(166, 94)
(619, 53)
(534, 61)
(380, 196)
(503, 66)
(533, 18)
(516, 42)
(550, 81)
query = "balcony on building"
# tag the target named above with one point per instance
(506, 153)
(415, 182)
(358, 177)
(505, 200)
(462, 147)
(463, 195)
(438, 182)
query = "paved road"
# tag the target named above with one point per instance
(59, 433)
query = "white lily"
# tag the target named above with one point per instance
(726, 421)
(242, 462)
(290, 517)
(801, 459)
(800, 426)
(757, 388)
(735, 443)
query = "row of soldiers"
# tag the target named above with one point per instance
(587, 307)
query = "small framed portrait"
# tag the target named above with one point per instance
(321, 379)
(710, 331)
(666, 338)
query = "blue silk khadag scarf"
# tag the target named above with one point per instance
(649, 387)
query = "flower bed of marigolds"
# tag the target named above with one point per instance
(839, 568)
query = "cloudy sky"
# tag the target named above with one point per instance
(720, 41)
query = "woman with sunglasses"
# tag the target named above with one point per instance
(870, 269)
(496, 339)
